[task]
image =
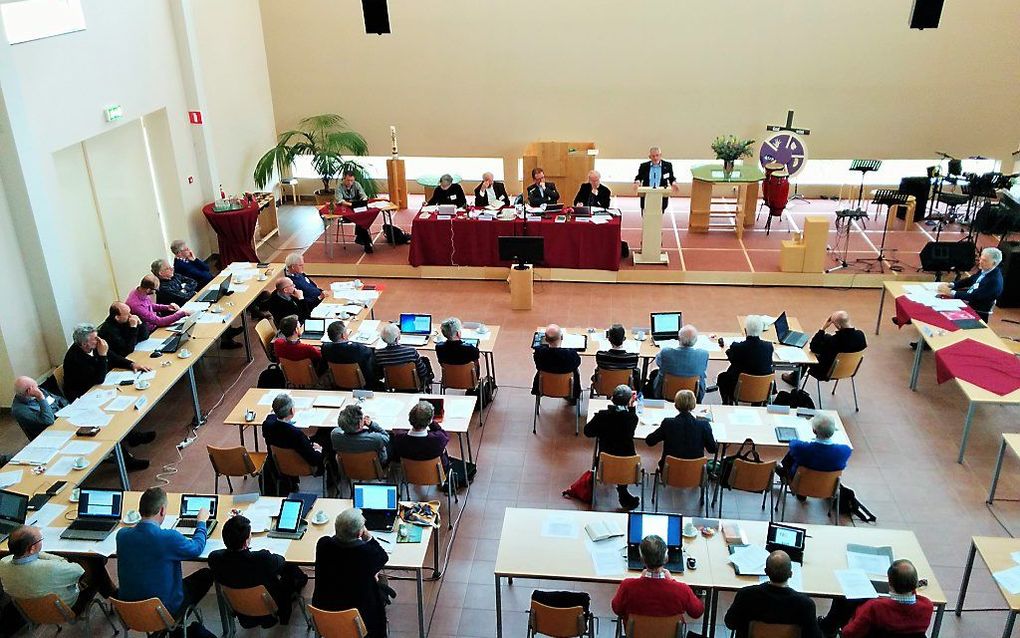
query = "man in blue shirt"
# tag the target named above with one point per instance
(149, 559)
(685, 361)
(189, 266)
(33, 408)
(821, 454)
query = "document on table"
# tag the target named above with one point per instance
(267, 398)
(1009, 579)
(91, 418)
(630, 345)
(559, 527)
(789, 354)
(314, 417)
(600, 219)
(667, 343)
(261, 511)
(116, 377)
(94, 399)
(329, 401)
(704, 343)
(331, 310)
(474, 334)
(573, 341)
(742, 416)
(149, 345)
(382, 408)
(42, 450)
(61, 467)
(369, 327)
(275, 545)
(53, 543)
(121, 403)
(193, 307)
(45, 514)
(213, 544)
(871, 560)
(459, 408)
(855, 584)
(10, 478)
(302, 403)
(1015, 555)
(378, 205)
(214, 317)
(80, 447)
(364, 296)
(750, 560)
(608, 561)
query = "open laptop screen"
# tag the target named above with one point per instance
(99, 503)
(315, 325)
(782, 326)
(13, 506)
(375, 497)
(666, 322)
(786, 536)
(191, 503)
(665, 526)
(415, 324)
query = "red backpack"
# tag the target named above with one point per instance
(581, 489)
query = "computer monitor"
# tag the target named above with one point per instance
(666, 325)
(665, 526)
(100, 504)
(523, 250)
(377, 496)
(412, 324)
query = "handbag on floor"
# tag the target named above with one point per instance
(747, 452)
(581, 489)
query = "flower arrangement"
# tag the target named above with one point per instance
(729, 148)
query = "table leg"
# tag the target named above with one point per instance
(720, 455)
(199, 419)
(471, 456)
(460, 440)
(966, 578)
(490, 366)
(708, 620)
(645, 363)
(881, 305)
(499, 610)
(436, 572)
(421, 603)
(118, 453)
(247, 339)
(1009, 625)
(966, 431)
(998, 469)
(240, 434)
(325, 238)
(918, 351)
(937, 627)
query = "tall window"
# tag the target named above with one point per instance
(27, 20)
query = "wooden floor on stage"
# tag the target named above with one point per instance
(714, 257)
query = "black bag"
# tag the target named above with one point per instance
(395, 235)
(849, 505)
(486, 390)
(624, 250)
(795, 398)
(726, 465)
(465, 471)
(272, 378)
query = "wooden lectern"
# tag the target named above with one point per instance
(396, 183)
(522, 290)
(565, 163)
(651, 227)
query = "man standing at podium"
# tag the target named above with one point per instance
(656, 172)
(541, 192)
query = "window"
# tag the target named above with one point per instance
(469, 168)
(27, 20)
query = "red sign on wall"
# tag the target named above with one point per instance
(195, 117)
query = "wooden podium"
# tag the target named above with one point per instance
(522, 290)
(651, 227)
(396, 182)
(566, 164)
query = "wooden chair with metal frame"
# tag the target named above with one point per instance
(266, 332)
(638, 626)
(337, 624)
(51, 610)
(618, 470)
(255, 602)
(429, 473)
(235, 461)
(755, 389)
(812, 484)
(671, 384)
(151, 617)
(605, 381)
(562, 622)
(747, 476)
(347, 376)
(759, 629)
(290, 464)
(359, 466)
(463, 377)
(556, 386)
(402, 377)
(58, 377)
(844, 366)
(300, 373)
(682, 474)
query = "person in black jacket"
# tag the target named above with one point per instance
(981, 289)
(347, 567)
(613, 429)
(279, 430)
(287, 300)
(454, 351)
(122, 330)
(541, 192)
(339, 349)
(685, 435)
(238, 567)
(490, 192)
(750, 356)
(173, 287)
(89, 359)
(593, 192)
(846, 338)
(448, 193)
(550, 357)
(655, 172)
(773, 602)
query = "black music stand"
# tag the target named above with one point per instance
(864, 166)
(888, 198)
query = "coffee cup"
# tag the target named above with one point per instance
(80, 462)
(237, 279)
(132, 516)
(689, 529)
(183, 353)
(141, 384)
(320, 517)
(263, 276)
(75, 494)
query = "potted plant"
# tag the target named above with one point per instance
(729, 149)
(327, 139)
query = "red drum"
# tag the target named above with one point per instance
(770, 168)
(776, 191)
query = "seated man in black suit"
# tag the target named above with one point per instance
(550, 357)
(981, 289)
(454, 351)
(613, 429)
(448, 193)
(773, 602)
(541, 192)
(173, 287)
(490, 192)
(287, 300)
(122, 330)
(593, 192)
(279, 431)
(750, 356)
(339, 349)
(846, 338)
(655, 172)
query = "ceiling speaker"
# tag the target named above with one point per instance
(924, 15)
(377, 16)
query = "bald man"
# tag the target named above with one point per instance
(287, 299)
(122, 330)
(844, 338)
(773, 602)
(551, 357)
(490, 192)
(593, 192)
(33, 408)
(903, 613)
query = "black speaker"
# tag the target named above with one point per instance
(926, 14)
(945, 256)
(1010, 268)
(377, 16)
(919, 187)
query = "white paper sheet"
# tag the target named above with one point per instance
(302, 403)
(121, 403)
(1014, 555)
(559, 527)
(1009, 579)
(369, 327)
(600, 219)
(573, 341)
(331, 310)
(364, 296)
(11, 477)
(790, 354)
(459, 409)
(313, 417)
(116, 377)
(382, 407)
(704, 343)
(742, 416)
(42, 450)
(45, 515)
(62, 466)
(241, 287)
(149, 345)
(608, 562)
(876, 564)
(196, 306)
(749, 560)
(261, 511)
(275, 545)
(95, 398)
(267, 398)
(53, 543)
(329, 401)
(91, 418)
(80, 447)
(855, 584)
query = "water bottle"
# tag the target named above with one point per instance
(640, 407)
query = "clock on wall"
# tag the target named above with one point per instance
(784, 147)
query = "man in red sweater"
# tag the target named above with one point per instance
(903, 612)
(655, 593)
(289, 346)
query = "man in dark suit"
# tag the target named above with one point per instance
(448, 193)
(294, 268)
(551, 357)
(750, 356)
(425, 440)
(173, 287)
(655, 172)
(541, 192)
(490, 192)
(340, 349)
(846, 338)
(287, 300)
(279, 430)
(593, 192)
(122, 330)
(454, 351)
(613, 430)
(981, 289)
(773, 602)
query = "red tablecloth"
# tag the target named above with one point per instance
(994, 370)
(907, 310)
(235, 233)
(471, 242)
(364, 219)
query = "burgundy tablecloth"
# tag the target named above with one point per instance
(907, 310)
(994, 370)
(364, 219)
(235, 233)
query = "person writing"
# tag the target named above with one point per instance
(490, 192)
(593, 192)
(448, 193)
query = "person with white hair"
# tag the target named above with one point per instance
(174, 288)
(294, 267)
(551, 357)
(448, 193)
(489, 192)
(453, 351)
(826, 347)
(982, 289)
(656, 172)
(593, 192)
(347, 572)
(287, 299)
(750, 356)
(395, 353)
(188, 265)
(821, 454)
(683, 361)
(613, 430)
(34, 408)
(88, 359)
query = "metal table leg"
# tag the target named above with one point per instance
(1009, 624)
(247, 339)
(199, 419)
(966, 431)
(937, 627)
(881, 305)
(499, 610)
(998, 469)
(325, 237)
(918, 351)
(966, 578)
(118, 453)
(421, 603)
(460, 439)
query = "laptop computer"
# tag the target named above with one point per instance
(314, 328)
(378, 504)
(13, 510)
(188, 519)
(98, 515)
(215, 294)
(571, 341)
(665, 526)
(666, 325)
(174, 342)
(415, 329)
(788, 538)
(789, 337)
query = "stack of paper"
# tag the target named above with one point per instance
(328, 401)
(42, 450)
(378, 205)
(704, 343)
(149, 345)
(116, 377)
(53, 543)
(789, 354)
(10, 478)
(261, 511)
(630, 345)
(855, 584)
(601, 219)
(91, 418)
(749, 560)
(120, 404)
(870, 560)
(314, 417)
(742, 416)
(80, 447)
(193, 307)
(573, 341)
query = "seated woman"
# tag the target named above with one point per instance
(685, 435)
(448, 193)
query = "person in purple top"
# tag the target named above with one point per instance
(425, 440)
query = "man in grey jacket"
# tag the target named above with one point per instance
(34, 408)
(359, 433)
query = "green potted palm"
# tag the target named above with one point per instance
(329, 142)
(729, 149)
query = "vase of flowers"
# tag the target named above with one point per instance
(729, 149)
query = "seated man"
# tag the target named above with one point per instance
(684, 436)
(33, 408)
(396, 354)
(750, 356)
(122, 330)
(821, 454)
(454, 351)
(904, 612)
(88, 360)
(188, 265)
(448, 193)
(279, 431)
(348, 192)
(551, 357)
(154, 315)
(149, 560)
(981, 289)
(29, 572)
(238, 567)
(339, 349)
(294, 267)
(683, 361)
(616, 357)
(425, 440)
(655, 592)
(593, 192)
(541, 192)
(357, 432)
(174, 288)
(846, 338)
(290, 347)
(613, 429)
(773, 602)
(287, 300)
(490, 192)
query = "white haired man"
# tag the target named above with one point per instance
(489, 192)
(656, 172)
(174, 288)
(34, 408)
(395, 354)
(593, 192)
(294, 267)
(750, 356)
(188, 265)
(683, 361)
(821, 454)
(981, 289)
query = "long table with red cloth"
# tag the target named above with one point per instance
(462, 241)
(235, 232)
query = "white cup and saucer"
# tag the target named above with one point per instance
(640, 335)
(132, 517)
(141, 384)
(213, 308)
(80, 463)
(183, 353)
(319, 518)
(75, 495)
(482, 329)
(689, 530)
(263, 276)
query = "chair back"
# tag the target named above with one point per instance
(289, 463)
(251, 601)
(753, 388)
(266, 332)
(337, 624)
(815, 484)
(360, 466)
(559, 386)
(233, 461)
(677, 472)
(149, 615)
(607, 380)
(347, 376)
(428, 472)
(559, 622)
(845, 365)
(654, 626)
(299, 374)
(671, 384)
(749, 476)
(58, 376)
(460, 377)
(45, 610)
(402, 377)
(758, 629)
(619, 470)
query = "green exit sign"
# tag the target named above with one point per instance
(113, 113)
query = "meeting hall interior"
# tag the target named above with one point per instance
(492, 319)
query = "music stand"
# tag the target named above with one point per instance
(864, 166)
(888, 198)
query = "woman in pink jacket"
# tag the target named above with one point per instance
(155, 315)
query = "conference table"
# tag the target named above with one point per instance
(467, 239)
(997, 555)
(548, 544)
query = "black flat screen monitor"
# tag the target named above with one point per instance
(523, 250)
